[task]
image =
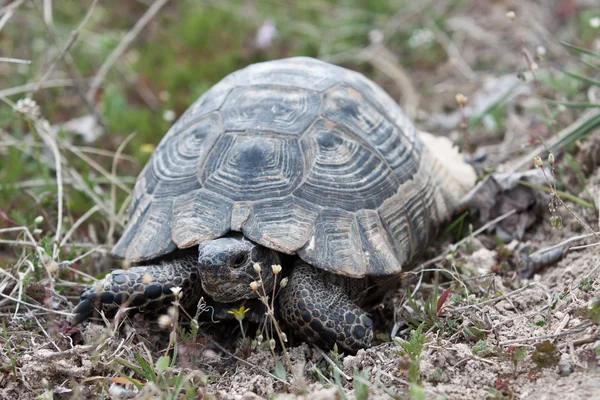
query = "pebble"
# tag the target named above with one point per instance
(565, 367)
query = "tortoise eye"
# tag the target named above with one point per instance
(240, 260)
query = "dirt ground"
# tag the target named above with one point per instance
(496, 335)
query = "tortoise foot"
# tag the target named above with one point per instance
(144, 289)
(318, 306)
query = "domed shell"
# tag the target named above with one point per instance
(303, 157)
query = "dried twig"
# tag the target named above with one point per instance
(504, 296)
(67, 181)
(96, 166)
(66, 314)
(577, 329)
(333, 365)
(8, 11)
(73, 72)
(15, 60)
(77, 223)
(460, 242)
(72, 39)
(113, 190)
(48, 84)
(553, 144)
(53, 355)
(565, 242)
(42, 127)
(125, 42)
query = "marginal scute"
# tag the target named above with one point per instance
(433, 218)
(137, 205)
(152, 236)
(140, 204)
(275, 109)
(335, 244)
(284, 224)
(344, 173)
(403, 216)
(253, 167)
(198, 216)
(379, 251)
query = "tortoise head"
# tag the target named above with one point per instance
(226, 267)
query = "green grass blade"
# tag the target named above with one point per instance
(178, 382)
(148, 369)
(589, 121)
(562, 194)
(582, 78)
(457, 221)
(580, 50)
(133, 368)
(476, 119)
(570, 104)
(592, 66)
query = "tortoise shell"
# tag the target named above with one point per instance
(301, 156)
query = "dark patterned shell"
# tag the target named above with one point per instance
(301, 156)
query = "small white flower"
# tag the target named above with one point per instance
(595, 22)
(38, 220)
(376, 36)
(146, 279)
(257, 268)
(169, 115)
(421, 38)
(176, 290)
(52, 267)
(265, 34)
(164, 95)
(164, 321)
(28, 107)
(541, 51)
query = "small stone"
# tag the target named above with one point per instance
(250, 396)
(565, 367)
(481, 261)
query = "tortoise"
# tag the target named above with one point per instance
(293, 162)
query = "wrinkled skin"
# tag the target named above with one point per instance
(317, 306)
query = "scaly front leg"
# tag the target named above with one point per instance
(321, 308)
(145, 288)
